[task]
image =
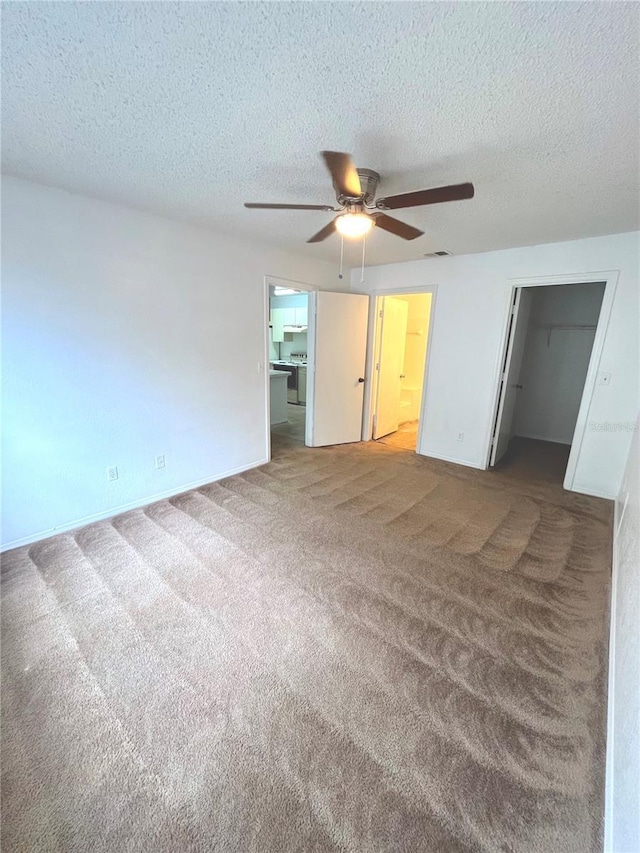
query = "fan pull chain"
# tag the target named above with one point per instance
(364, 243)
(341, 254)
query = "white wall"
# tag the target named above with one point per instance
(555, 361)
(298, 343)
(126, 336)
(468, 331)
(622, 813)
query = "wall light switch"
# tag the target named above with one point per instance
(460, 436)
(112, 473)
(160, 461)
(604, 378)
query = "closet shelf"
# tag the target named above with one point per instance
(553, 327)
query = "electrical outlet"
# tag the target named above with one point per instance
(604, 378)
(160, 461)
(112, 473)
(460, 436)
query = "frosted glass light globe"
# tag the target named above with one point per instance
(354, 224)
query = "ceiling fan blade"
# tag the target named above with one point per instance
(261, 206)
(394, 226)
(455, 192)
(325, 232)
(343, 173)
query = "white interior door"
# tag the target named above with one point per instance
(509, 385)
(337, 343)
(393, 337)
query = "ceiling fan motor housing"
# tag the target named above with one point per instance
(369, 181)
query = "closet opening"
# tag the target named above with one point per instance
(551, 336)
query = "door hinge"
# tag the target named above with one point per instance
(378, 366)
(380, 313)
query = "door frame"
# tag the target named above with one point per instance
(610, 279)
(277, 281)
(373, 343)
(518, 310)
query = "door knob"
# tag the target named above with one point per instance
(403, 376)
(361, 379)
(519, 386)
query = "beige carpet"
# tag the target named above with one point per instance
(350, 649)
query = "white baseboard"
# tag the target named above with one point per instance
(453, 459)
(118, 510)
(542, 438)
(593, 493)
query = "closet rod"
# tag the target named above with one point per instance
(550, 327)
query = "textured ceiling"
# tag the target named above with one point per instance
(189, 109)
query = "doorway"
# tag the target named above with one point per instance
(316, 353)
(549, 353)
(400, 357)
(288, 361)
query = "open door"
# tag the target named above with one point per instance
(393, 337)
(509, 385)
(337, 343)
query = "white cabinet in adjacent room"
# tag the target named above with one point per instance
(287, 317)
(277, 324)
(302, 386)
(278, 390)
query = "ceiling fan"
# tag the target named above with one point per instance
(359, 211)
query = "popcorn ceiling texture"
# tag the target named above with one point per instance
(189, 109)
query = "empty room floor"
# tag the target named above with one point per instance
(348, 649)
(404, 438)
(532, 459)
(295, 424)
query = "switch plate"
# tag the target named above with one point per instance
(604, 378)
(112, 473)
(161, 461)
(460, 436)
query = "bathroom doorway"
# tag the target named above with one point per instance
(400, 358)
